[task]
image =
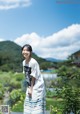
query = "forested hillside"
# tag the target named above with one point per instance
(11, 57)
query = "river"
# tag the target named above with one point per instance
(49, 75)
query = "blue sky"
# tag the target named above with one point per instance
(52, 27)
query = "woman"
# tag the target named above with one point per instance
(35, 94)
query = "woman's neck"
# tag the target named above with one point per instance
(27, 60)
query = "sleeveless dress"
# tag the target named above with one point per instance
(35, 104)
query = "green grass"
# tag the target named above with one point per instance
(54, 102)
(18, 107)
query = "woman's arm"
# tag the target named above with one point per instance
(31, 87)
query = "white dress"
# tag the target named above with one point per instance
(35, 104)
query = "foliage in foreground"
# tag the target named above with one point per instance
(70, 88)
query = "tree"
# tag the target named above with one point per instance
(70, 88)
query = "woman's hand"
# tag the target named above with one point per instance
(30, 88)
(30, 91)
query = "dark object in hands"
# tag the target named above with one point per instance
(27, 74)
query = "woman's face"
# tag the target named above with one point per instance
(26, 54)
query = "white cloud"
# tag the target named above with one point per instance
(59, 45)
(1, 39)
(10, 4)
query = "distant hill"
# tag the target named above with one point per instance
(53, 60)
(11, 56)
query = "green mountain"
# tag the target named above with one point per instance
(11, 57)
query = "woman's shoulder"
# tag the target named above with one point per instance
(34, 61)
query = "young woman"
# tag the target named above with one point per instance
(35, 94)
